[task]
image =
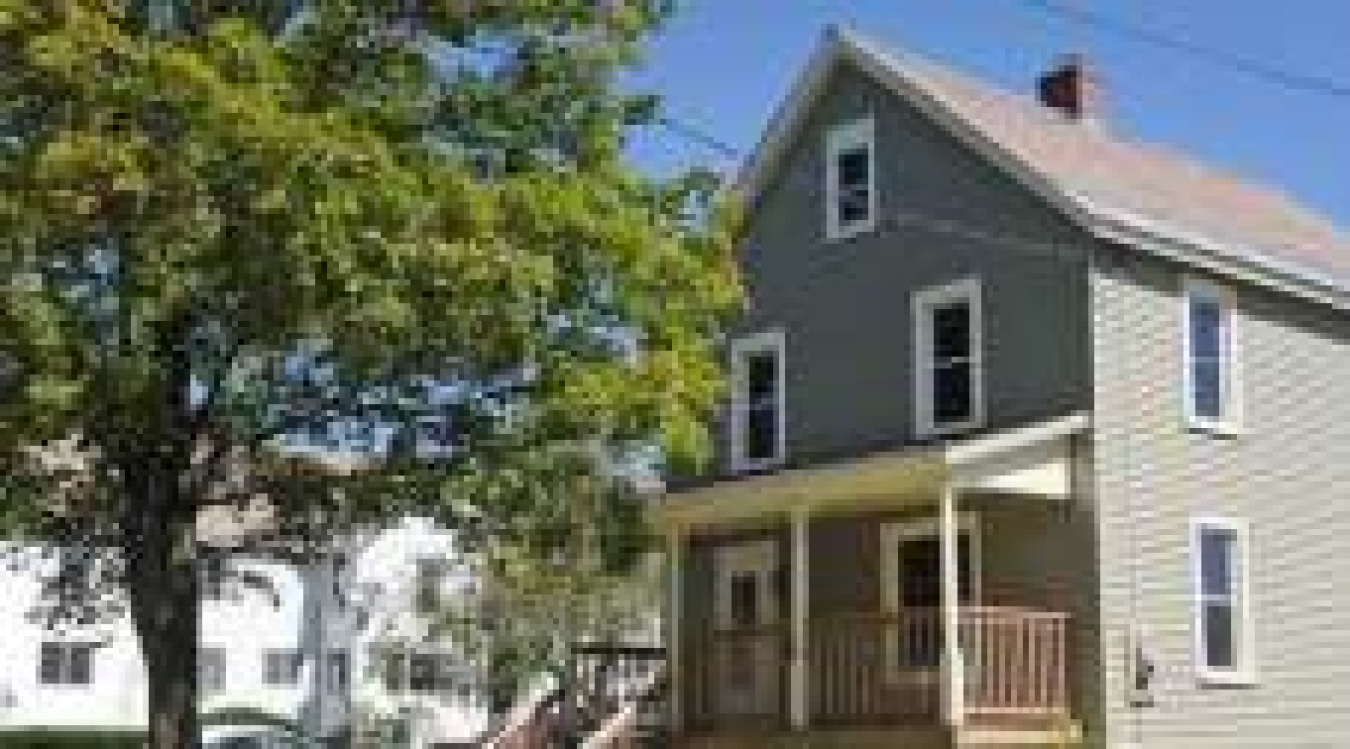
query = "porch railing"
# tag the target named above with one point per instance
(871, 669)
(1016, 661)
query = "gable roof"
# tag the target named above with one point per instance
(1116, 188)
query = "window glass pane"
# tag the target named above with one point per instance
(1216, 561)
(854, 166)
(745, 600)
(952, 393)
(49, 663)
(1207, 388)
(1207, 328)
(81, 664)
(211, 669)
(1220, 637)
(761, 433)
(951, 332)
(761, 377)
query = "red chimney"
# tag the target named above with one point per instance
(1071, 88)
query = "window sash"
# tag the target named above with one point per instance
(850, 178)
(1222, 609)
(1209, 355)
(949, 357)
(757, 416)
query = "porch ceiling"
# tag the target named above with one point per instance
(1032, 461)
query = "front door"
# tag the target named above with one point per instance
(750, 613)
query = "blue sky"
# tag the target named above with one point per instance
(723, 65)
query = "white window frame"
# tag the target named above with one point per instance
(894, 533)
(758, 558)
(769, 341)
(970, 291)
(846, 137)
(1244, 641)
(1231, 404)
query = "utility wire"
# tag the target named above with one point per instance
(1223, 58)
(698, 135)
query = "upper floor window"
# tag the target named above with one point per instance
(66, 663)
(1210, 349)
(420, 672)
(281, 668)
(850, 180)
(949, 376)
(1222, 607)
(757, 416)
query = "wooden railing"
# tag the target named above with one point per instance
(1016, 661)
(881, 669)
(873, 669)
(739, 678)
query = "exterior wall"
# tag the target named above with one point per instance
(1287, 473)
(845, 306)
(305, 615)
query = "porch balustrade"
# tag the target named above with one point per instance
(878, 669)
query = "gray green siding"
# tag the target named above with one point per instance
(1287, 474)
(845, 306)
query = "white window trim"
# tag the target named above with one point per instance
(759, 558)
(1231, 422)
(971, 291)
(773, 341)
(1245, 672)
(892, 534)
(850, 135)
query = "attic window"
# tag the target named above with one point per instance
(851, 179)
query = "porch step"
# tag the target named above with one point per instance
(908, 737)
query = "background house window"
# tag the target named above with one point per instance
(431, 574)
(949, 377)
(1223, 617)
(1209, 335)
(281, 668)
(757, 416)
(851, 179)
(211, 670)
(420, 672)
(339, 670)
(66, 663)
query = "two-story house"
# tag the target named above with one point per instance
(1038, 436)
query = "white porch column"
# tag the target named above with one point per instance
(674, 664)
(952, 665)
(801, 586)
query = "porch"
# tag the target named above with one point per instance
(930, 594)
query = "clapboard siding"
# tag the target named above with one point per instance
(1287, 473)
(845, 306)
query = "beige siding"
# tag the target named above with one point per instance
(1288, 474)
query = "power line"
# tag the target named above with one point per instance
(699, 136)
(1247, 65)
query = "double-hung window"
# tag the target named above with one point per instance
(1210, 357)
(948, 348)
(757, 417)
(850, 188)
(1223, 624)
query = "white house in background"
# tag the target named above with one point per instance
(317, 645)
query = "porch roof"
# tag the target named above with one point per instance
(1033, 460)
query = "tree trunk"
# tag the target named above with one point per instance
(163, 592)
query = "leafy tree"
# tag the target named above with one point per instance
(235, 236)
